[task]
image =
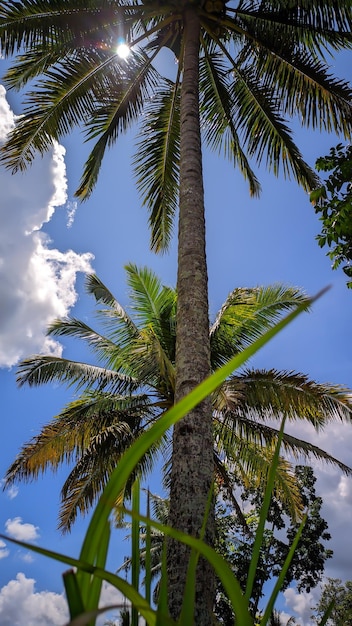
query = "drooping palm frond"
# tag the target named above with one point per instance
(116, 110)
(70, 433)
(271, 394)
(218, 126)
(157, 162)
(39, 370)
(90, 474)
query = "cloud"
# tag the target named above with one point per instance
(27, 557)
(22, 531)
(302, 604)
(71, 208)
(4, 552)
(11, 492)
(21, 605)
(37, 281)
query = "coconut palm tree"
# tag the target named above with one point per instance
(133, 383)
(242, 67)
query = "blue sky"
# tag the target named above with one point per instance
(47, 243)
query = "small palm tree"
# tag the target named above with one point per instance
(134, 383)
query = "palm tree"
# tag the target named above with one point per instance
(134, 384)
(242, 66)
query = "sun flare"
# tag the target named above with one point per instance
(122, 50)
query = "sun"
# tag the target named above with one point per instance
(122, 49)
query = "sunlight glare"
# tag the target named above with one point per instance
(122, 49)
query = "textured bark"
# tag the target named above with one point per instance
(192, 458)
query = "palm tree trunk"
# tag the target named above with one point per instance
(192, 457)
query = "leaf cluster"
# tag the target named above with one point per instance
(333, 204)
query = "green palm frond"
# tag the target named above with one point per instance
(243, 416)
(120, 327)
(69, 434)
(305, 74)
(39, 370)
(246, 314)
(117, 108)
(157, 161)
(149, 298)
(218, 125)
(91, 473)
(258, 116)
(273, 394)
(65, 98)
(72, 327)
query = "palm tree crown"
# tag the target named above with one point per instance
(260, 63)
(134, 384)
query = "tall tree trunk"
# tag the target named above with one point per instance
(192, 457)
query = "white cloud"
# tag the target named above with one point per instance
(4, 552)
(11, 492)
(71, 208)
(22, 531)
(302, 604)
(26, 557)
(21, 605)
(37, 282)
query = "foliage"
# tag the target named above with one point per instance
(307, 564)
(133, 386)
(334, 590)
(333, 202)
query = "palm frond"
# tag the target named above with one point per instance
(89, 476)
(246, 314)
(157, 161)
(39, 370)
(270, 394)
(72, 327)
(216, 110)
(69, 434)
(117, 108)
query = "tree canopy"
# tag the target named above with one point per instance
(333, 204)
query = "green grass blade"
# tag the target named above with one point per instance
(220, 565)
(280, 581)
(73, 594)
(163, 609)
(135, 560)
(263, 515)
(90, 586)
(148, 547)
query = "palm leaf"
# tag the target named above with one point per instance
(246, 314)
(216, 109)
(157, 162)
(39, 370)
(120, 105)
